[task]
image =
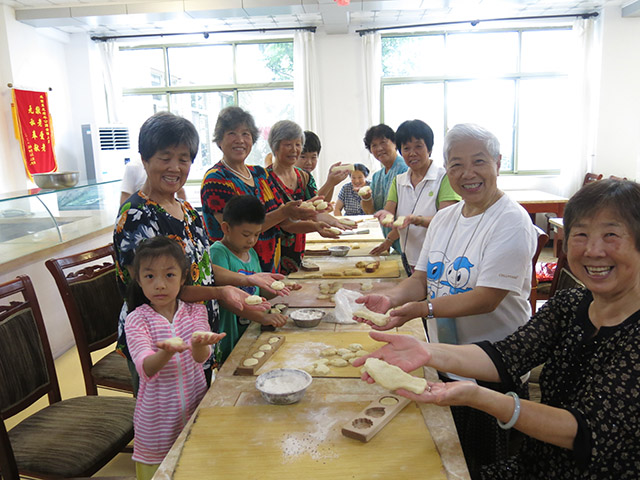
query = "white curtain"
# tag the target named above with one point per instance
(584, 83)
(372, 47)
(305, 80)
(112, 90)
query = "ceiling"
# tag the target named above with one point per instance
(107, 18)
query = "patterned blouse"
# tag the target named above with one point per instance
(292, 243)
(219, 185)
(594, 374)
(141, 218)
(351, 200)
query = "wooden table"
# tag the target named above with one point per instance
(557, 225)
(229, 390)
(537, 201)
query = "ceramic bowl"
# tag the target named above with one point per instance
(283, 386)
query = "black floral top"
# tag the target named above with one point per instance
(593, 374)
(141, 218)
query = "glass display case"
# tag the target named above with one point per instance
(32, 220)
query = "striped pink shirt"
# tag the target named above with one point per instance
(165, 401)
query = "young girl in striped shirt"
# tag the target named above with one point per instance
(168, 340)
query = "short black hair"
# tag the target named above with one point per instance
(152, 248)
(164, 129)
(362, 168)
(243, 209)
(311, 142)
(620, 196)
(379, 131)
(414, 129)
(231, 118)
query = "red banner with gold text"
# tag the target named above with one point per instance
(34, 130)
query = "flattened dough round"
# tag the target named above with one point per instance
(266, 347)
(338, 362)
(277, 285)
(361, 353)
(354, 347)
(328, 352)
(342, 351)
(258, 355)
(274, 339)
(348, 356)
(253, 300)
(322, 370)
(249, 362)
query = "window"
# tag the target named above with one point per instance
(513, 82)
(197, 81)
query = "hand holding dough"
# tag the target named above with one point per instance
(364, 191)
(387, 220)
(340, 168)
(399, 222)
(392, 377)
(277, 285)
(253, 300)
(378, 319)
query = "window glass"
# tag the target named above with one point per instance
(267, 107)
(546, 50)
(143, 67)
(201, 65)
(482, 54)
(489, 103)
(137, 108)
(264, 62)
(544, 123)
(413, 56)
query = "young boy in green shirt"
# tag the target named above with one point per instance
(242, 220)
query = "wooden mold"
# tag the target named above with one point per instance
(272, 340)
(366, 424)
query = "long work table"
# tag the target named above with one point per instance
(236, 434)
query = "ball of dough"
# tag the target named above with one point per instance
(387, 220)
(277, 285)
(265, 348)
(328, 352)
(310, 369)
(348, 356)
(253, 300)
(249, 362)
(354, 347)
(274, 339)
(335, 230)
(322, 205)
(174, 342)
(321, 361)
(258, 354)
(322, 370)
(364, 191)
(342, 351)
(338, 362)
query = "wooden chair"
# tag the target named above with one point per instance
(613, 177)
(591, 177)
(93, 302)
(543, 238)
(67, 438)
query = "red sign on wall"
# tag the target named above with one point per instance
(34, 130)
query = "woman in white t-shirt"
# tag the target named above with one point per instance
(473, 276)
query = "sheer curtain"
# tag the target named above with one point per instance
(112, 90)
(305, 80)
(372, 58)
(584, 79)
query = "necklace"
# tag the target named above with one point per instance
(236, 172)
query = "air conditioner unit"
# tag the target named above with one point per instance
(110, 147)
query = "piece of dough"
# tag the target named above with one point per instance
(253, 300)
(323, 296)
(376, 318)
(364, 191)
(321, 361)
(366, 286)
(355, 246)
(274, 339)
(362, 353)
(348, 356)
(258, 355)
(347, 221)
(249, 362)
(387, 220)
(335, 230)
(328, 352)
(265, 348)
(399, 221)
(371, 267)
(354, 347)
(308, 205)
(351, 360)
(353, 272)
(174, 342)
(277, 285)
(322, 205)
(392, 377)
(342, 351)
(310, 369)
(317, 202)
(338, 362)
(340, 168)
(332, 274)
(322, 370)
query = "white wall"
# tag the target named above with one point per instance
(618, 137)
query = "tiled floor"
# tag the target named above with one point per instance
(71, 385)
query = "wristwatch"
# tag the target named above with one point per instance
(430, 310)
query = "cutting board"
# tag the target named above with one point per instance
(293, 442)
(307, 295)
(387, 269)
(303, 347)
(321, 249)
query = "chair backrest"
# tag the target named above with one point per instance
(543, 239)
(614, 177)
(90, 295)
(591, 177)
(27, 370)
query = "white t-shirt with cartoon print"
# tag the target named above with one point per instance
(493, 249)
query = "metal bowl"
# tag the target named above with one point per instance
(307, 317)
(339, 250)
(283, 386)
(56, 180)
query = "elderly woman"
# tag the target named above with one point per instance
(380, 140)
(348, 198)
(235, 134)
(588, 340)
(168, 145)
(474, 271)
(291, 184)
(416, 194)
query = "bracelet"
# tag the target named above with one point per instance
(430, 310)
(516, 413)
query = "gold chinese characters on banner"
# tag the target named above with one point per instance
(34, 130)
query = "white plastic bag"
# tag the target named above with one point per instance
(345, 306)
